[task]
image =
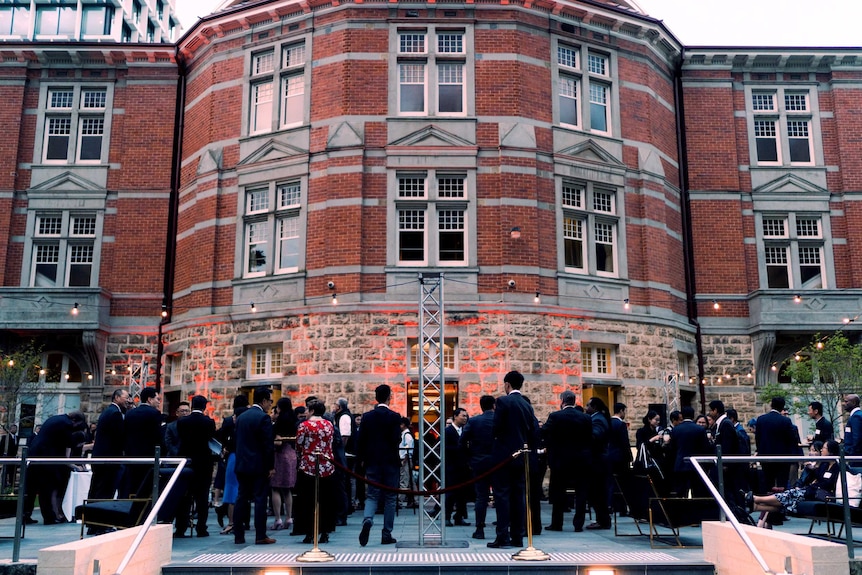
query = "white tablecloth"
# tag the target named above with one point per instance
(76, 491)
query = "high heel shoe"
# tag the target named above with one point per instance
(227, 530)
(277, 525)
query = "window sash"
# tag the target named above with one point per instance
(450, 186)
(412, 43)
(567, 57)
(293, 100)
(450, 88)
(450, 43)
(46, 263)
(411, 236)
(14, 20)
(807, 227)
(289, 195)
(451, 235)
(597, 64)
(763, 102)
(263, 63)
(90, 133)
(257, 248)
(57, 138)
(265, 361)
(573, 243)
(55, 20)
(598, 107)
(261, 107)
(777, 266)
(294, 55)
(799, 141)
(605, 248)
(79, 267)
(411, 88)
(766, 141)
(49, 225)
(256, 201)
(568, 94)
(288, 244)
(83, 226)
(774, 227)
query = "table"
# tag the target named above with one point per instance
(76, 491)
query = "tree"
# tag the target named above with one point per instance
(19, 375)
(826, 370)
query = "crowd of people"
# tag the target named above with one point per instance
(286, 459)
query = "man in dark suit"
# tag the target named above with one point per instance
(687, 439)
(823, 429)
(619, 454)
(377, 449)
(853, 428)
(457, 468)
(599, 464)
(724, 435)
(514, 428)
(143, 433)
(9, 448)
(195, 432)
(567, 434)
(110, 441)
(56, 439)
(255, 467)
(775, 435)
(478, 439)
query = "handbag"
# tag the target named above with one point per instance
(647, 462)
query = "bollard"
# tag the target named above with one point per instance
(530, 553)
(316, 555)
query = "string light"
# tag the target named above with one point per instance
(334, 298)
(819, 345)
(11, 363)
(164, 310)
(715, 304)
(253, 308)
(537, 298)
(797, 298)
(626, 304)
(75, 309)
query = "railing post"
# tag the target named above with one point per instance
(19, 512)
(720, 469)
(156, 467)
(848, 529)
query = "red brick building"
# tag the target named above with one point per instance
(588, 187)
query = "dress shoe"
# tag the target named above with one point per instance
(517, 542)
(462, 523)
(553, 528)
(341, 523)
(366, 531)
(499, 543)
(748, 497)
(449, 523)
(203, 533)
(307, 540)
(30, 521)
(221, 513)
(180, 535)
(324, 538)
(239, 541)
(387, 540)
(265, 541)
(479, 533)
(579, 528)
(595, 526)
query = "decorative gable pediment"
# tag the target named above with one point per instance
(345, 135)
(66, 182)
(272, 150)
(791, 184)
(210, 161)
(431, 136)
(590, 152)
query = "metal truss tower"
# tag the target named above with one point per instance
(432, 416)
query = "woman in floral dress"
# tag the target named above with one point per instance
(314, 450)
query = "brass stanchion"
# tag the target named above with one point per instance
(530, 553)
(316, 555)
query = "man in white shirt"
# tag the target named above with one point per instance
(405, 451)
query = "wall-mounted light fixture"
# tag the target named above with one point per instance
(516, 233)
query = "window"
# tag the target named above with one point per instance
(598, 360)
(590, 224)
(449, 354)
(173, 374)
(793, 251)
(136, 11)
(160, 9)
(781, 126)
(264, 361)
(97, 20)
(431, 218)
(431, 66)
(75, 124)
(573, 80)
(64, 249)
(15, 20)
(55, 20)
(285, 74)
(273, 229)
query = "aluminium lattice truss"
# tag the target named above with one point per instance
(432, 416)
(137, 378)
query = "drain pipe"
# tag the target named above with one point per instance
(173, 214)
(687, 233)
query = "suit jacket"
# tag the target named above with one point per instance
(568, 435)
(687, 439)
(478, 439)
(775, 435)
(255, 447)
(110, 433)
(601, 435)
(9, 445)
(379, 437)
(619, 447)
(853, 434)
(195, 431)
(514, 426)
(725, 436)
(457, 459)
(55, 437)
(143, 431)
(823, 430)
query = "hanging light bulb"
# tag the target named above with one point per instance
(537, 298)
(774, 367)
(253, 308)
(334, 299)
(797, 298)
(75, 309)
(715, 304)
(11, 363)
(164, 310)
(797, 357)
(626, 304)
(819, 345)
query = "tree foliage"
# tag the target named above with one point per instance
(19, 374)
(826, 370)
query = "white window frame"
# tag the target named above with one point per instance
(450, 355)
(593, 205)
(278, 79)
(269, 356)
(596, 355)
(78, 111)
(790, 113)
(580, 72)
(19, 18)
(795, 236)
(437, 204)
(266, 207)
(65, 242)
(436, 57)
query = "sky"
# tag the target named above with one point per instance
(716, 22)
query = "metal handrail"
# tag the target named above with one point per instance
(24, 462)
(719, 496)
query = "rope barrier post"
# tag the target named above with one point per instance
(19, 511)
(530, 553)
(315, 555)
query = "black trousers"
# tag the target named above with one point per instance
(252, 487)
